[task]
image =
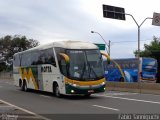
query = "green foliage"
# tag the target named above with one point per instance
(151, 49)
(9, 45)
(2, 66)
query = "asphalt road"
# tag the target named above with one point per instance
(45, 106)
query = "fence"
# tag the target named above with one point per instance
(6, 75)
(149, 88)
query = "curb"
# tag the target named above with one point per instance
(149, 88)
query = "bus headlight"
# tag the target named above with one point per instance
(74, 85)
(103, 83)
(72, 91)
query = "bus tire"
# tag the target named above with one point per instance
(121, 79)
(56, 90)
(24, 86)
(20, 83)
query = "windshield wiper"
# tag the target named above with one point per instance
(90, 68)
(83, 70)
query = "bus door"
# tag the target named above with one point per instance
(48, 71)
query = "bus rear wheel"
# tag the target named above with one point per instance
(24, 86)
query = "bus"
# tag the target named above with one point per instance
(126, 70)
(62, 67)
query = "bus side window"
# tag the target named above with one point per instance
(47, 57)
(50, 57)
(62, 64)
(40, 60)
(34, 57)
(16, 60)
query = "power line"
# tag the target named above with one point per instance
(128, 41)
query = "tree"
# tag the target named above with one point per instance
(152, 50)
(154, 46)
(2, 66)
(9, 45)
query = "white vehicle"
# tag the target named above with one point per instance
(65, 67)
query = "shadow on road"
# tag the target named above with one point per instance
(71, 97)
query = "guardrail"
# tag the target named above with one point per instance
(149, 88)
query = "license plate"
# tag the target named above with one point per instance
(90, 91)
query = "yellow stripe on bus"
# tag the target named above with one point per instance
(84, 83)
(27, 76)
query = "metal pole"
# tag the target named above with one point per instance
(138, 54)
(139, 77)
(109, 48)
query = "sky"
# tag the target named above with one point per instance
(56, 20)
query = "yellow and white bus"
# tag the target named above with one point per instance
(64, 67)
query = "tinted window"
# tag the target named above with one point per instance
(46, 57)
(16, 60)
(38, 57)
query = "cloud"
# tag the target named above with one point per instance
(51, 20)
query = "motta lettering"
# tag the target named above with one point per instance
(46, 69)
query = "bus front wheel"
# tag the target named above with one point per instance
(56, 90)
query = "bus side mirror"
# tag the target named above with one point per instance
(63, 67)
(107, 56)
(66, 57)
(64, 62)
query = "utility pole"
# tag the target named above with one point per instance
(138, 55)
(118, 13)
(109, 48)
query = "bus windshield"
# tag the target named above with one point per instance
(85, 64)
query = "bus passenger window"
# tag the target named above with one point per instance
(40, 60)
(51, 60)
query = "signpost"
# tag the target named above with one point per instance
(113, 12)
(119, 13)
(101, 46)
(156, 19)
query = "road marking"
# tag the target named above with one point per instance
(45, 96)
(106, 107)
(146, 101)
(24, 110)
(120, 93)
(9, 83)
(4, 106)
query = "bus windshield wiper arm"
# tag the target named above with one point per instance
(83, 70)
(91, 69)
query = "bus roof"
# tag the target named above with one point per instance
(65, 44)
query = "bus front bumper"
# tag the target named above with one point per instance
(70, 89)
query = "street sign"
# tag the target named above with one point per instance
(101, 46)
(156, 19)
(113, 12)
